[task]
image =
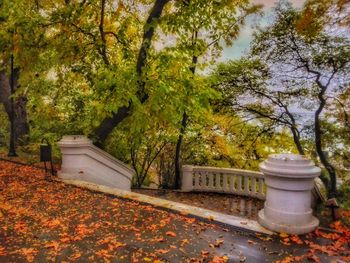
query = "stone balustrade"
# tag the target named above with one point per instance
(223, 180)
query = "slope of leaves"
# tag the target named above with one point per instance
(44, 220)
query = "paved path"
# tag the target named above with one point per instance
(45, 221)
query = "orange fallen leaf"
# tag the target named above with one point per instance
(103, 253)
(251, 242)
(184, 242)
(29, 253)
(284, 235)
(162, 251)
(75, 256)
(2, 251)
(159, 239)
(296, 239)
(170, 233)
(52, 244)
(217, 259)
(313, 257)
(51, 223)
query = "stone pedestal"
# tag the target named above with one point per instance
(81, 160)
(187, 178)
(289, 179)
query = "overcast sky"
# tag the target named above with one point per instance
(242, 43)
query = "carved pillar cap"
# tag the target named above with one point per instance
(289, 165)
(68, 140)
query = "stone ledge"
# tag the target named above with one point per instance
(229, 220)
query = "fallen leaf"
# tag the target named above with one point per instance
(251, 242)
(162, 251)
(170, 233)
(283, 235)
(2, 251)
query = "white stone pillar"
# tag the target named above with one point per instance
(187, 178)
(289, 179)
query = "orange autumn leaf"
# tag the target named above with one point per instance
(162, 251)
(29, 253)
(75, 256)
(51, 223)
(251, 242)
(170, 233)
(313, 257)
(2, 251)
(21, 227)
(296, 240)
(53, 244)
(104, 253)
(284, 235)
(217, 259)
(115, 244)
(159, 239)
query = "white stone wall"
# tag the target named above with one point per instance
(81, 160)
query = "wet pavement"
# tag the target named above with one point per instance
(228, 204)
(48, 221)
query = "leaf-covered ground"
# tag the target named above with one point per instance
(48, 221)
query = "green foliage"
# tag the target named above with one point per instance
(289, 74)
(4, 127)
(344, 194)
(78, 66)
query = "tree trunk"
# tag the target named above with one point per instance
(109, 123)
(296, 139)
(177, 160)
(318, 142)
(103, 50)
(178, 150)
(20, 102)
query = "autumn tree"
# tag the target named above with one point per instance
(110, 122)
(246, 87)
(200, 29)
(20, 42)
(304, 71)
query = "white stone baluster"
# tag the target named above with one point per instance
(253, 181)
(261, 187)
(246, 185)
(211, 181)
(239, 183)
(196, 180)
(218, 181)
(225, 184)
(232, 183)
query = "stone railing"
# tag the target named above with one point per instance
(223, 180)
(83, 161)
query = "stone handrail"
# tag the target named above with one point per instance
(83, 161)
(223, 180)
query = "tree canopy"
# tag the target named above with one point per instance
(142, 79)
